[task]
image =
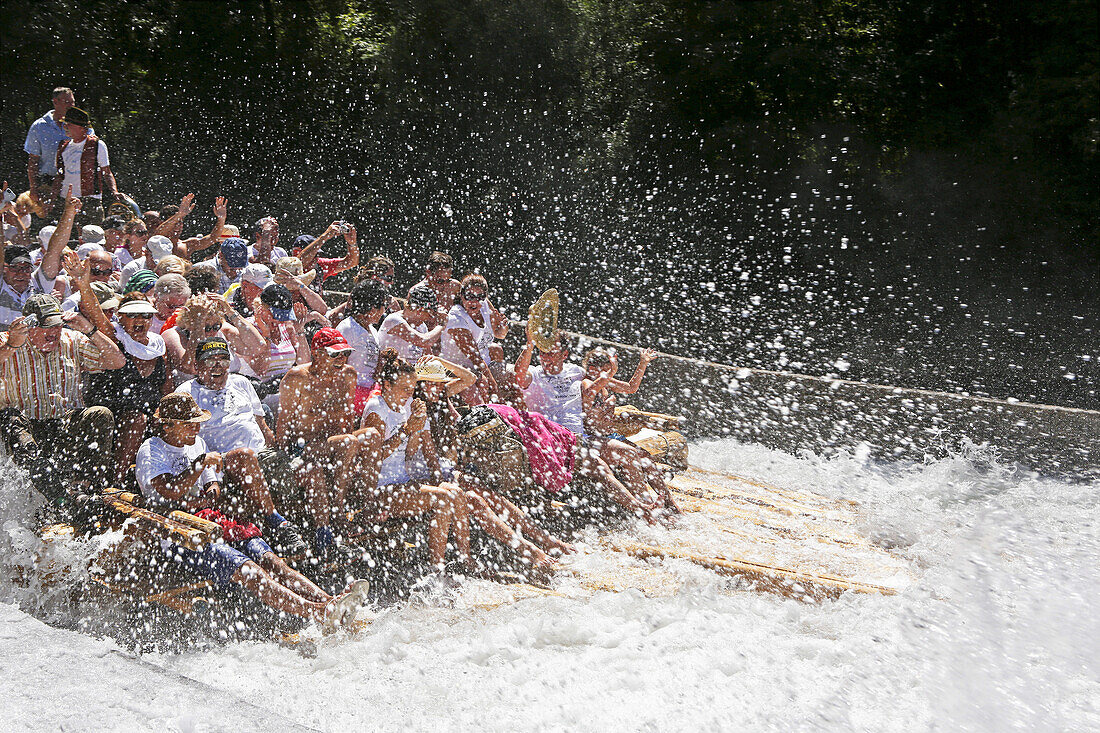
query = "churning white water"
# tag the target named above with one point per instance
(998, 631)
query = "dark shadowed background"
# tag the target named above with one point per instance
(901, 192)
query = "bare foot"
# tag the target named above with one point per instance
(558, 548)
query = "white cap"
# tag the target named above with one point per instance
(87, 248)
(256, 274)
(91, 234)
(45, 233)
(158, 247)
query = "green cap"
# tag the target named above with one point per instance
(43, 310)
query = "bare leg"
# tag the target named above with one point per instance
(241, 465)
(366, 467)
(447, 518)
(274, 595)
(292, 579)
(592, 465)
(131, 429)
(513, 516)
(631, 459)
(312, 474)
(342, 451)
(498, 530)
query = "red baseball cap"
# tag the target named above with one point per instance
(331, 340)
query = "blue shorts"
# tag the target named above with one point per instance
(220, 560)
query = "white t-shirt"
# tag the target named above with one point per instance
(483, 337)
(70, 156)
(387, 340)
(393, 469)
(277, 253)
(558, 396)
(157, 458)
(365, 342)
(233, 413)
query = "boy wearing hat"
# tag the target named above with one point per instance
(45, 135)
(175, 469)
(84, 167)
(316, 422)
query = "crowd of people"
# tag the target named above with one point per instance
(211, 372)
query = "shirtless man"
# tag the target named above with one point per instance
(439, 276)
(315, 422)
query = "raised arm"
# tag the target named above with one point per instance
(309, 253)
(498, 320)
(618, 385)
(249, 344)
(197, 244)
(51, 258)
(187, 205)
(420, 340)
(464, 378)
(523, 363)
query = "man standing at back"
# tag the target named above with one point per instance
(83, 166)
(45, 135)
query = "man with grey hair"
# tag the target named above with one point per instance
(100, 266)
(45, 135)
(169, 295)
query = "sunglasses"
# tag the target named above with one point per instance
(100, 272)
(470, 295)
(210, 327)
(139, 316)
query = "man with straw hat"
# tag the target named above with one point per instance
(174, 470)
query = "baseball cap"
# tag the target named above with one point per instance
(91, 234)
(45, 309)
(256, 274)
(301, 242)
(105, 294)
(158, 247)
(16, 253)
(331, 340)
(211, 348)
(279, 300)
(84, 250)
(235, 251)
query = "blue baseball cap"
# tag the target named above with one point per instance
(235, 251)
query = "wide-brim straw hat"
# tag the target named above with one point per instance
(542, 320)
(432, 370)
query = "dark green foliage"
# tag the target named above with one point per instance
(351, 105)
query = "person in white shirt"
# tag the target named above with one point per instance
(472, 326)
(175, 469)
(415, 329)
(79, 177)
(264, 250)
(365, 308)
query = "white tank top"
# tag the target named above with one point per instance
(393, 466)
(558, 396)
(387, 340)
(483, 337)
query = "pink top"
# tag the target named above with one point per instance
(551, 449)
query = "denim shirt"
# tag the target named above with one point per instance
(42, 140)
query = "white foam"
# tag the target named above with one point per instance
(997, 632)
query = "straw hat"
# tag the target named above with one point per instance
(180, 407)
(430, 369)
(542, 320)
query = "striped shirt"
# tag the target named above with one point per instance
(11, 302)
(46, 386)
